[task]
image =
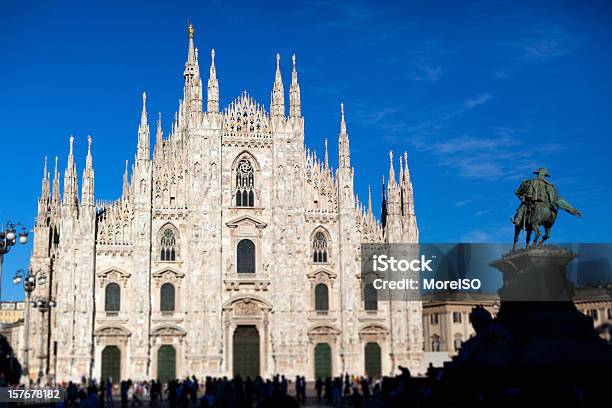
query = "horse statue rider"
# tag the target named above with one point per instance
(540, 203)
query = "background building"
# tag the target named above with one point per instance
(14, 334)
(234, 249)
(11, 312)
(595, 301)
(446, 323)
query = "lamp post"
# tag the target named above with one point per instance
(29, 284)
(43, 304)
(8, 238)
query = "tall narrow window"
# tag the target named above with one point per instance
(321, 298)
(457, 342)
(167, 297)
(167, 244)
(112, 298)
(245, 256)
(370, 298)
(245, 184)
(319, 248)
(435, 343)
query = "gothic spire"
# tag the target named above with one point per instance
(369, 201)
(193, 83)
(87, 195)
(45, 191)
(383, 210)
(126, 187)
(294, 94)
(391, 169)
(212, 104)
(143, 113)
(55, 192)
(143, 132)
(159, 133)
(277, 104)
(401, 183)
(43, 200)
(344, 150)
(191, 63)
(406, 169)
(408, 194)
(394, 192)
(71, 184)
(326, 155)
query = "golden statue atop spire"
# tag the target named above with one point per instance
(191, 30)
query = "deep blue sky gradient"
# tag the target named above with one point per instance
(479, 94)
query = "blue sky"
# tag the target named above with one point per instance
(479, 94)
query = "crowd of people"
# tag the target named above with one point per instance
(278, 391)
(223, 392)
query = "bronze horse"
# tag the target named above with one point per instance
(539, 206)
(541, 214)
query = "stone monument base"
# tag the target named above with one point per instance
(539, 348)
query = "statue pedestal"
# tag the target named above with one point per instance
(538, 311)
(536, 299)
(535, 274)
(539, 345)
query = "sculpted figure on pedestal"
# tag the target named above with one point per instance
(540, 203)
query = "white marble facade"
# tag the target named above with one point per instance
(222, 179)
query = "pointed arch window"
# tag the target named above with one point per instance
(168, 245)
(245, 184)
(319, 248)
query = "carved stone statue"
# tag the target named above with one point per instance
(540, 203)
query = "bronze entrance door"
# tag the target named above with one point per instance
(322, 361)
(166, 363)
(372, 360)
(111, 364)
(246, 351)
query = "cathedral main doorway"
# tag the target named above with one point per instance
(246, 351)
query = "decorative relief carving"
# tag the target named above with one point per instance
(113, 275)
(168, 275)
(112, 335)
(374, 333)
(246, 307)
(323, 333)
(322, 276)
(168, 334)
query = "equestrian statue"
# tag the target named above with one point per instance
(539, 206)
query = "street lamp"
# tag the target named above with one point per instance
(43, 304)
(8, 238)
(29, 284)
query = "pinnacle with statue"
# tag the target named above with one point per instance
(540, 203)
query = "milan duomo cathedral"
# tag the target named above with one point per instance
(233, 249)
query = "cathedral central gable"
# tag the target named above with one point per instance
(245, 117)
